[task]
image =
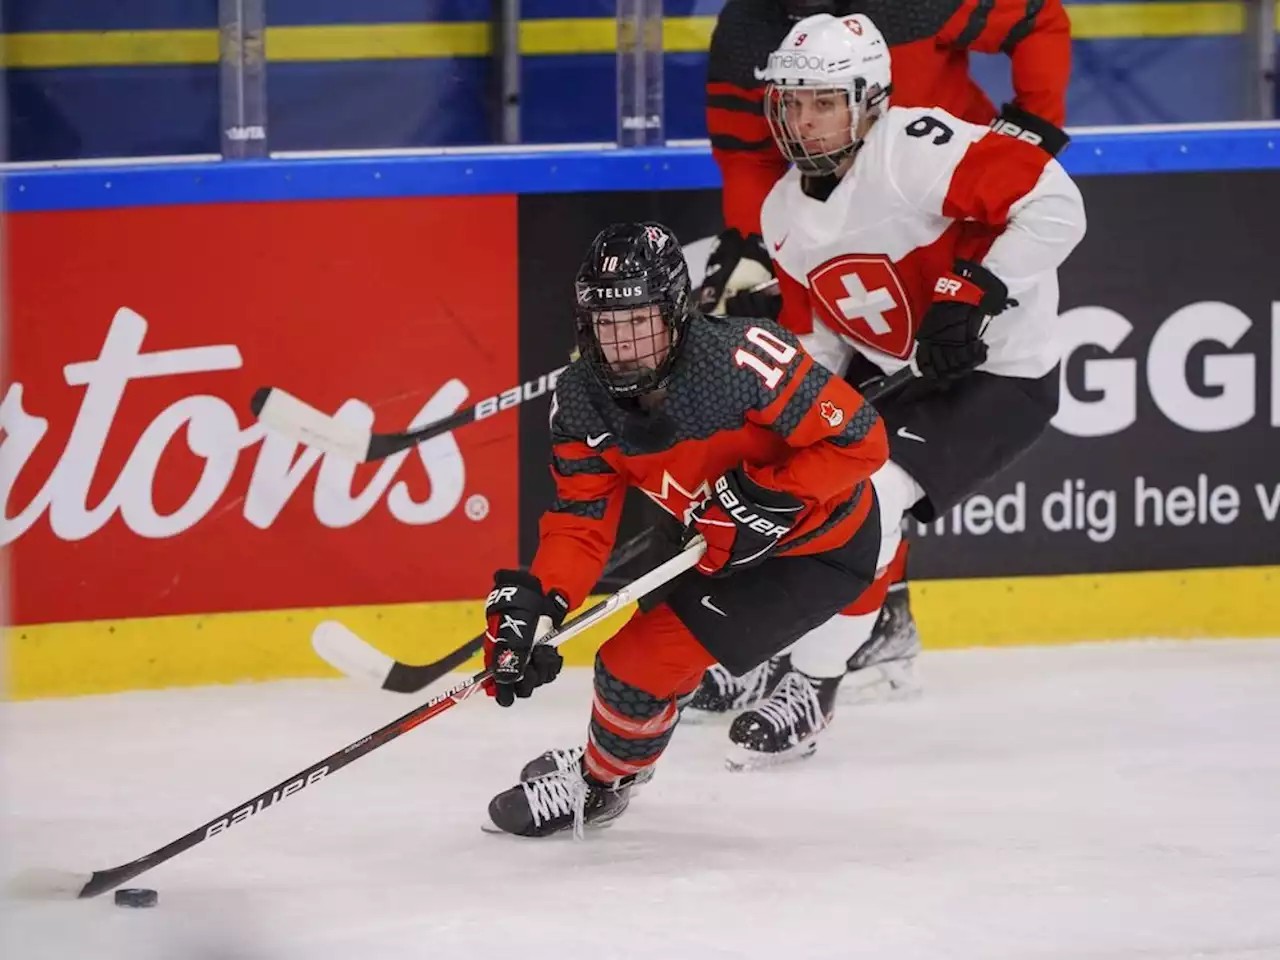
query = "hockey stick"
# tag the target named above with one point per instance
(285, 413)
(361, 660)
(357, 658)
(67, 885)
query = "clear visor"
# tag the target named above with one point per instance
(815, 127)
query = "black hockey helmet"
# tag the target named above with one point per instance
(633, 303)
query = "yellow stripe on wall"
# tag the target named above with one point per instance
(109, 48)
(1180, 604)
(414, 41)
(69, 659)
(1113, 21)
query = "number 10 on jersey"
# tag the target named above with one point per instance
(771, 347)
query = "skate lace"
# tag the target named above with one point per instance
(794, 699)
(566, 758)
(748, 688)
(559, 794)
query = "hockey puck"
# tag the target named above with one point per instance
(136, 897)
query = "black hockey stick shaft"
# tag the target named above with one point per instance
(410, 677)
(102, 880)
(314, 425)
(884, 386)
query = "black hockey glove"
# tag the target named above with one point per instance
(753, 304)
(736, 263)
(517, 613)
(1021, 125)
(949, 343)
(743, 523)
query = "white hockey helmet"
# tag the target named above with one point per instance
(823, 55)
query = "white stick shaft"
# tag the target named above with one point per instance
(686, 559)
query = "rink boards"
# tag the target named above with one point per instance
(158, 538)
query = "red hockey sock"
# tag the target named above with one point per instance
(640, 673)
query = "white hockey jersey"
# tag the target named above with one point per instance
(924, 190)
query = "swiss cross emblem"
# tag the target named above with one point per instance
(831, 413)
(861, 296)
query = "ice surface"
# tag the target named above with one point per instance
(1103, 801)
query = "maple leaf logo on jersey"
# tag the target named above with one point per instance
(676, 500)
(831, 413)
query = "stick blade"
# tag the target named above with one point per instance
(41, 883)
(285, 413)
(347, 653)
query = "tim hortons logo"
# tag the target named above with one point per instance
(214, 434)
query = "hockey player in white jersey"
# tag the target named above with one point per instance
(903, 236)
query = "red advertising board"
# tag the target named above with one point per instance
(136, 481)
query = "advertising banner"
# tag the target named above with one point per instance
(1165, 453)
(138, 484)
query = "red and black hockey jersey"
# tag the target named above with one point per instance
(930, 42)
(741, 392)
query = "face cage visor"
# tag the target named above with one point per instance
(815, 127)
(630, 347)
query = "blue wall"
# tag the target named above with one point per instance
(142, 109)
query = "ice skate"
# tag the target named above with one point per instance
(786, 725)
(722, 693)
(555, 802)
(884, 668)
(570, 758)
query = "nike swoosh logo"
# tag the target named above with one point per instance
(906, 434)
(706, 602)
(778, 246)
(596, 441)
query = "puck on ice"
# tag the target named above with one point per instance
(136, 897)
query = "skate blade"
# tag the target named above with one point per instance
(894, 681)
(564, 833)
(741, 760)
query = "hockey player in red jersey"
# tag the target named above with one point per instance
(908, 236)
(738, 434)
(930, 41)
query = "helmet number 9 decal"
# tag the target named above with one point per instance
(926, 125)
(778, 350)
